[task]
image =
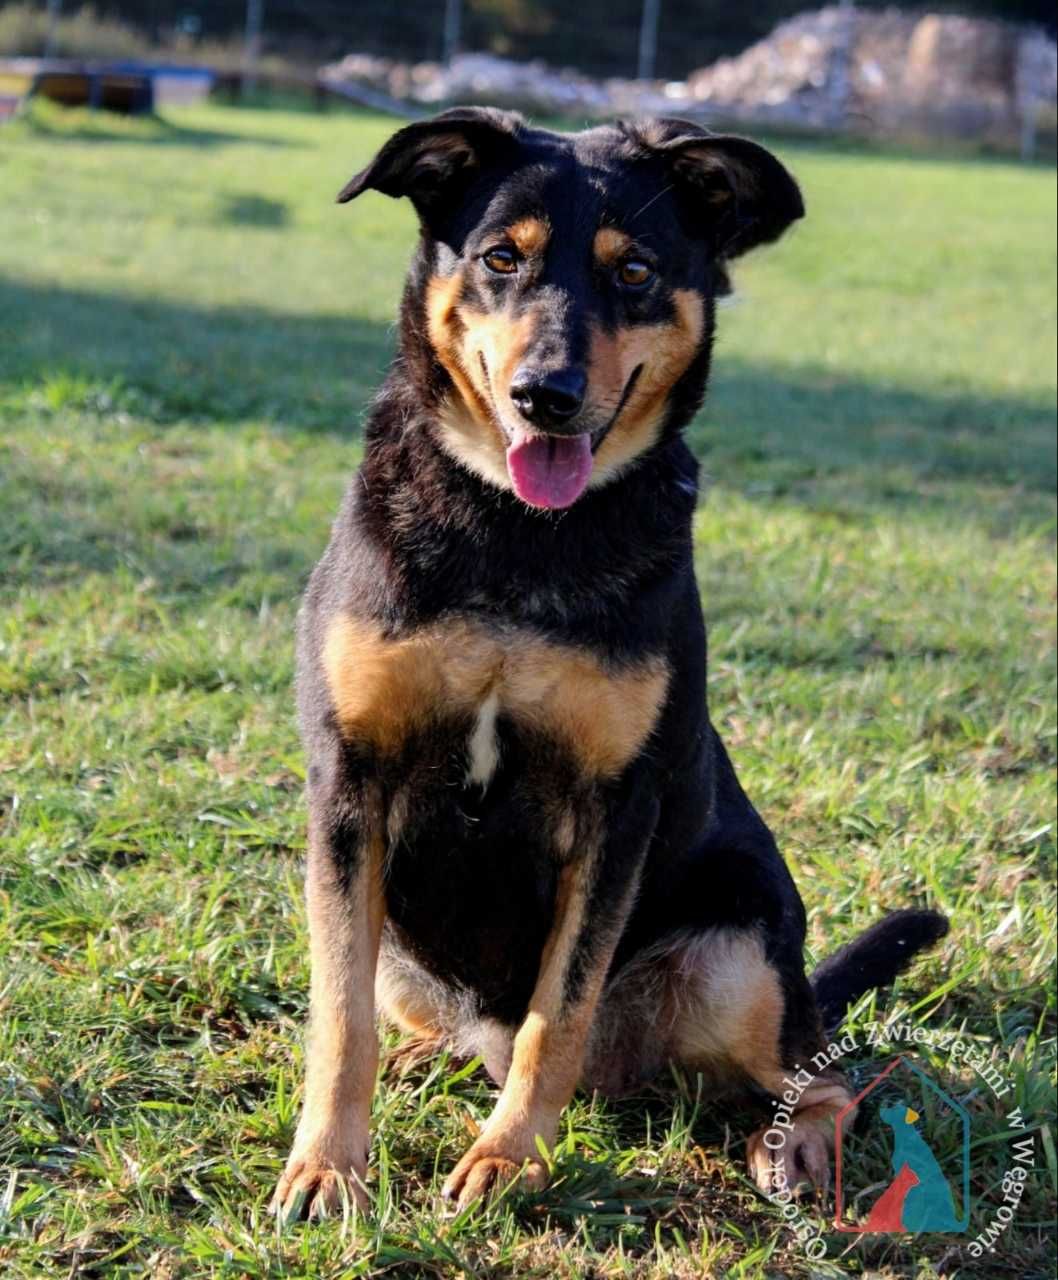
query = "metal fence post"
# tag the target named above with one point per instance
(648, 39)
(453, 30)
(252, 48)
(54, 13)
(841, 79)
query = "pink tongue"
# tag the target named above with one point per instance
(550, 471)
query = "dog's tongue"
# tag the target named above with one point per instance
(550, 471)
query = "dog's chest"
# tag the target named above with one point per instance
(463, 678)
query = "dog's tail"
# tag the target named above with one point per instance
(873, 960)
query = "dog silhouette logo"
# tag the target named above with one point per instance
(927, 1173)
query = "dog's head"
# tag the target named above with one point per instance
(567, 282)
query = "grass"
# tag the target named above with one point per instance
(189, 330)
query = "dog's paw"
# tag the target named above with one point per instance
(801, 1162)
(486, 1172)
(315, 1186)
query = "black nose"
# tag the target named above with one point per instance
(548, 398)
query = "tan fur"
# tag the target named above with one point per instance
(406, 1003)
(444, 325)
(733, 1007)
(501, 340)
(344, 932)
(479, 448)
(530, 236)
(461, 336)
(384, 688)
(397, 816)
(565, 832)
(550, 1043)
(469, 426)
(610, 246)
(412, 998)
(548, 1054)
(665, 352)
(341, 1059)
(381, 690)
(733, 1018)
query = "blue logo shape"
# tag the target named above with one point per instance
(919, 1196)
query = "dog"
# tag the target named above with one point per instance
(526, 840)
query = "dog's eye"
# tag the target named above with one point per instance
(504, 262)
(635, 273)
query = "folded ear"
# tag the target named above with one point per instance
(743, 194)
(434, 161)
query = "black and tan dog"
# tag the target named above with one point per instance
(526, 840)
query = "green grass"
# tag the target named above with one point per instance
(189, 331)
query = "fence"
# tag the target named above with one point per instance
(663, 38)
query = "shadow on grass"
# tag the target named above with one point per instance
(801, 436)
(811, 419)
(56, 124)
(251, 210)
(314, 372)
(178, 361)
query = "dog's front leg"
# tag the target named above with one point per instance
(595, 894)
(344, 895)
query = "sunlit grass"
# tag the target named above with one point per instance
(189, 331)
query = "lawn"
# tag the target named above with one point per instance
(189, 332)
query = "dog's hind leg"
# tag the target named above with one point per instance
(346, 909)
(741, 1015)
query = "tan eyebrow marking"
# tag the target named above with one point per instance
(611, 245)
(530, 235)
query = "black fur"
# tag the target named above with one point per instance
(471, 883)
(873, 960)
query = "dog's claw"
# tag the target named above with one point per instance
(802, 1162)
(292, 1207)
(486, 1176)
(313, 1188)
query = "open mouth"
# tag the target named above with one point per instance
(552, 471)
(549, 471)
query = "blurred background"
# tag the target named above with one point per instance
(982, 71)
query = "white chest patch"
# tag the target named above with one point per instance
(483, 747)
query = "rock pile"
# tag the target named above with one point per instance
(889, 73)
(486, 80)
